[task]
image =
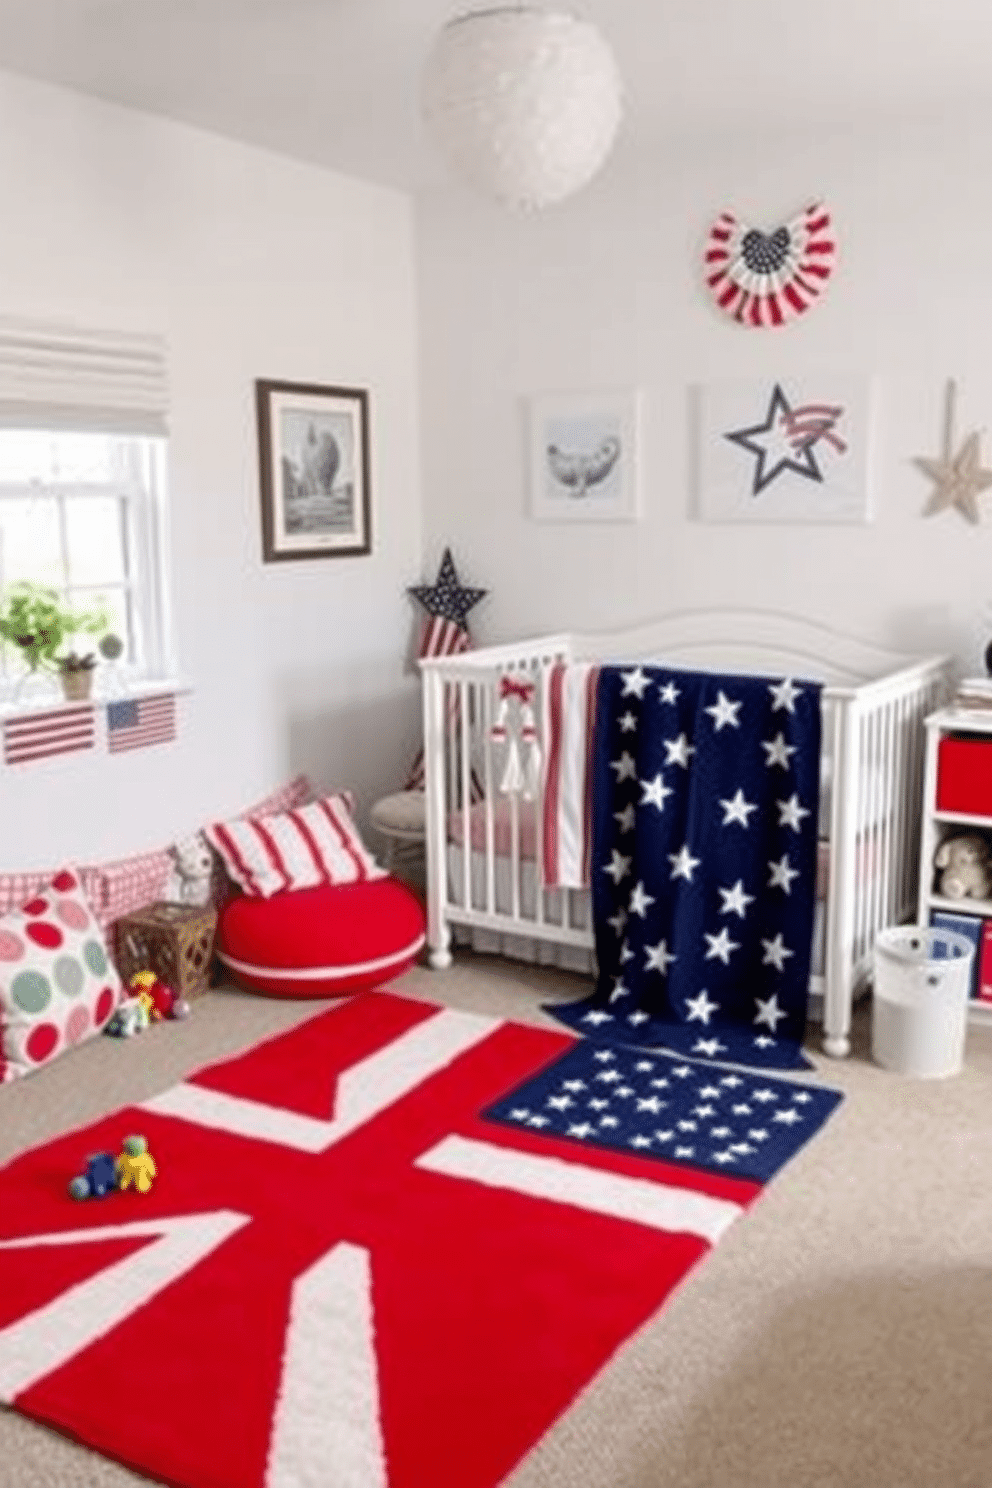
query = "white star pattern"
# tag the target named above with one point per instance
(782, 874)
(790, 813)
(634, 683)
(668, 692)
(683, 863)
(700, 1008)
(720, 946)
(618, 867)
(640, 900)
(625, 767)
(784, 695)
(735, 901)
(711, 1047)
(736, 809)
(653, 792)
(659, 958)
(626, 818)
(677, 751)
(775, 953)
(628, 723)
(777, 751)
(724, 712)
(618, 921)
(769, 1011)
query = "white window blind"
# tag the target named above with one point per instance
(55, 376)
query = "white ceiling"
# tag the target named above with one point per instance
(335, 82)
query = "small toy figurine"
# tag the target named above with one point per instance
(130, 1018)
(153, 993)
(136, 1165)
(98, 1181)
(158, 1000)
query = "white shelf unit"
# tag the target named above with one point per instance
(958, 723)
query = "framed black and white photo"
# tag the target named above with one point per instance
(583, 457)
(314, 470)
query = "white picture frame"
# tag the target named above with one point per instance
(793, 447)
(583, 456)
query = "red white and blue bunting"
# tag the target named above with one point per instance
(766, 278)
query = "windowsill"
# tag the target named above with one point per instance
(102, 694)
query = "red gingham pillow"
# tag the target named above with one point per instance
(128, 884)
(315, 844)
(58, 985)
(17, 888)
(296, 792)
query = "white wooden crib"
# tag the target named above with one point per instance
(484, 870)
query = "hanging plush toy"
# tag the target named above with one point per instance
(516, 727)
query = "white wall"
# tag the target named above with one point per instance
(605, 291)
(253, 267)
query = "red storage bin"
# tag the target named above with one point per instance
(964, 776)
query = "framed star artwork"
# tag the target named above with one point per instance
(583, 456)
(786, 448)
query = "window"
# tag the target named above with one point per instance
(82, 481)
(82, 514)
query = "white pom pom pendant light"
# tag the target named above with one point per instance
(525, 104)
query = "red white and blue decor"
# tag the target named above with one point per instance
(705, 791)
(767, 278)
(445, 632)
(374, 1252)
(793, 447)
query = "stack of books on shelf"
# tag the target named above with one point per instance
(974, 694)
(979, 932)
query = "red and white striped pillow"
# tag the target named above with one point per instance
(315, 844)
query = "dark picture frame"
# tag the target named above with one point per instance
(313, 449)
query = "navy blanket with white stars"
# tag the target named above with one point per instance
(705, 792)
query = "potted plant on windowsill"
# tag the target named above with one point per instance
(76, 674)
(39, 623)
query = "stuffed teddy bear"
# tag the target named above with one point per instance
(964, 867)
(191, 875)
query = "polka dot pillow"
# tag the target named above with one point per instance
(58, 985)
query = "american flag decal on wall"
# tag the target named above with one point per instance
(38, 735)
(137, 722)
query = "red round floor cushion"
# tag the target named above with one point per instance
(323, 941)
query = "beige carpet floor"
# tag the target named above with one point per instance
(839, 1337)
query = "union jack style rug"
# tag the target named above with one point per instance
(348, 1271)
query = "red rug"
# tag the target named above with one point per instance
(345, 1272)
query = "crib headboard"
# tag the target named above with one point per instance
(760, 642)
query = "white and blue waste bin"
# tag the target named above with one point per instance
(920, 1000)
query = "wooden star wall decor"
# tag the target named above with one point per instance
(958, 478)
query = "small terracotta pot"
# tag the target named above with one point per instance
(77, 685)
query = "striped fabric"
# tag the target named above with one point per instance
(35, 736)
(439, 637)
(315, 844)
(568, 707)
(765, 279)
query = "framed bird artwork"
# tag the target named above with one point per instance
(583, 456)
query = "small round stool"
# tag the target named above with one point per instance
(322, 942)
(402, 820)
